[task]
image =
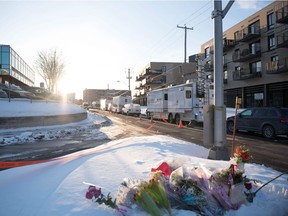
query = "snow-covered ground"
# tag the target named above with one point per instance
(58, 187)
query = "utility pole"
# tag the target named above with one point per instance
(219, 150)
(185, 41)
(129, 77)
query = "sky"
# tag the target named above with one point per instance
(101, 40)
(58, 187)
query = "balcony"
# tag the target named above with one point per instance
(152, 81)
(228, 44)
(246, 74)
(247, 34)
(147, 72)
(282, 40)
(246, 54)
(139, 78)
(276, 67)
(282, 15)
(208, 67)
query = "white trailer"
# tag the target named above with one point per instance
(119, 101)
(176, 103)
(104, 103)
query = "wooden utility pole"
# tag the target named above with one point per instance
(185, 41)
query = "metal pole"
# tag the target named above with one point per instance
(185, 46)
(219, 151)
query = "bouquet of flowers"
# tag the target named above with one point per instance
(242, 154)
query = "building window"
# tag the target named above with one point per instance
(270, 21)
(255, 67)
(225, 76)
(274, 58)
(271, 42)
(207, 52)
(255, 47)
(254, 28)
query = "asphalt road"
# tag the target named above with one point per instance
(271, 153)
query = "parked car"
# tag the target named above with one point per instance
(131, 109)
(268, 121)
(3, 94)
(10, 93)
(14, 91)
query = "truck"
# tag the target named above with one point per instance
(118, 103)
(104, 103)
(176, 103)
(131, 109)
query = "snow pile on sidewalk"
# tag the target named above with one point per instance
(57, 188)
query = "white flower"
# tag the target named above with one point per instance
(233, 161)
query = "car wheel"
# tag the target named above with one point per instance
(268, 132)
(170, 119)
(148, 114)
(230, 127)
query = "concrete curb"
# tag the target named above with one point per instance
(34, 121)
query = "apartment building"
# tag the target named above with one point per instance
(13, 69)
(255, 58)
(159, 75)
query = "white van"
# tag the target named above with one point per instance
(131, 109)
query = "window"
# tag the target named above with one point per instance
(260, 112)
(165, 96)
(247, 112)
(188, 94)
(254, 28)
(255, 67)
(255, 47)
(225, 76)
(270, 21)
(274, 58)
(271, 42)
(207, 52)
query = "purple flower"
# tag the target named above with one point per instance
(89, 195)
(93, 192)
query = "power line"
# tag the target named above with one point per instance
(172, 32)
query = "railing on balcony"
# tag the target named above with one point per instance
(155, 81)
(246, 54)
(282, 15)
(282, 40)
(140, 77)
(247, 34)
(276, 67)
(246, 74)
(208, 67)
(228, 44)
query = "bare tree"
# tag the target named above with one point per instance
(50, 67)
